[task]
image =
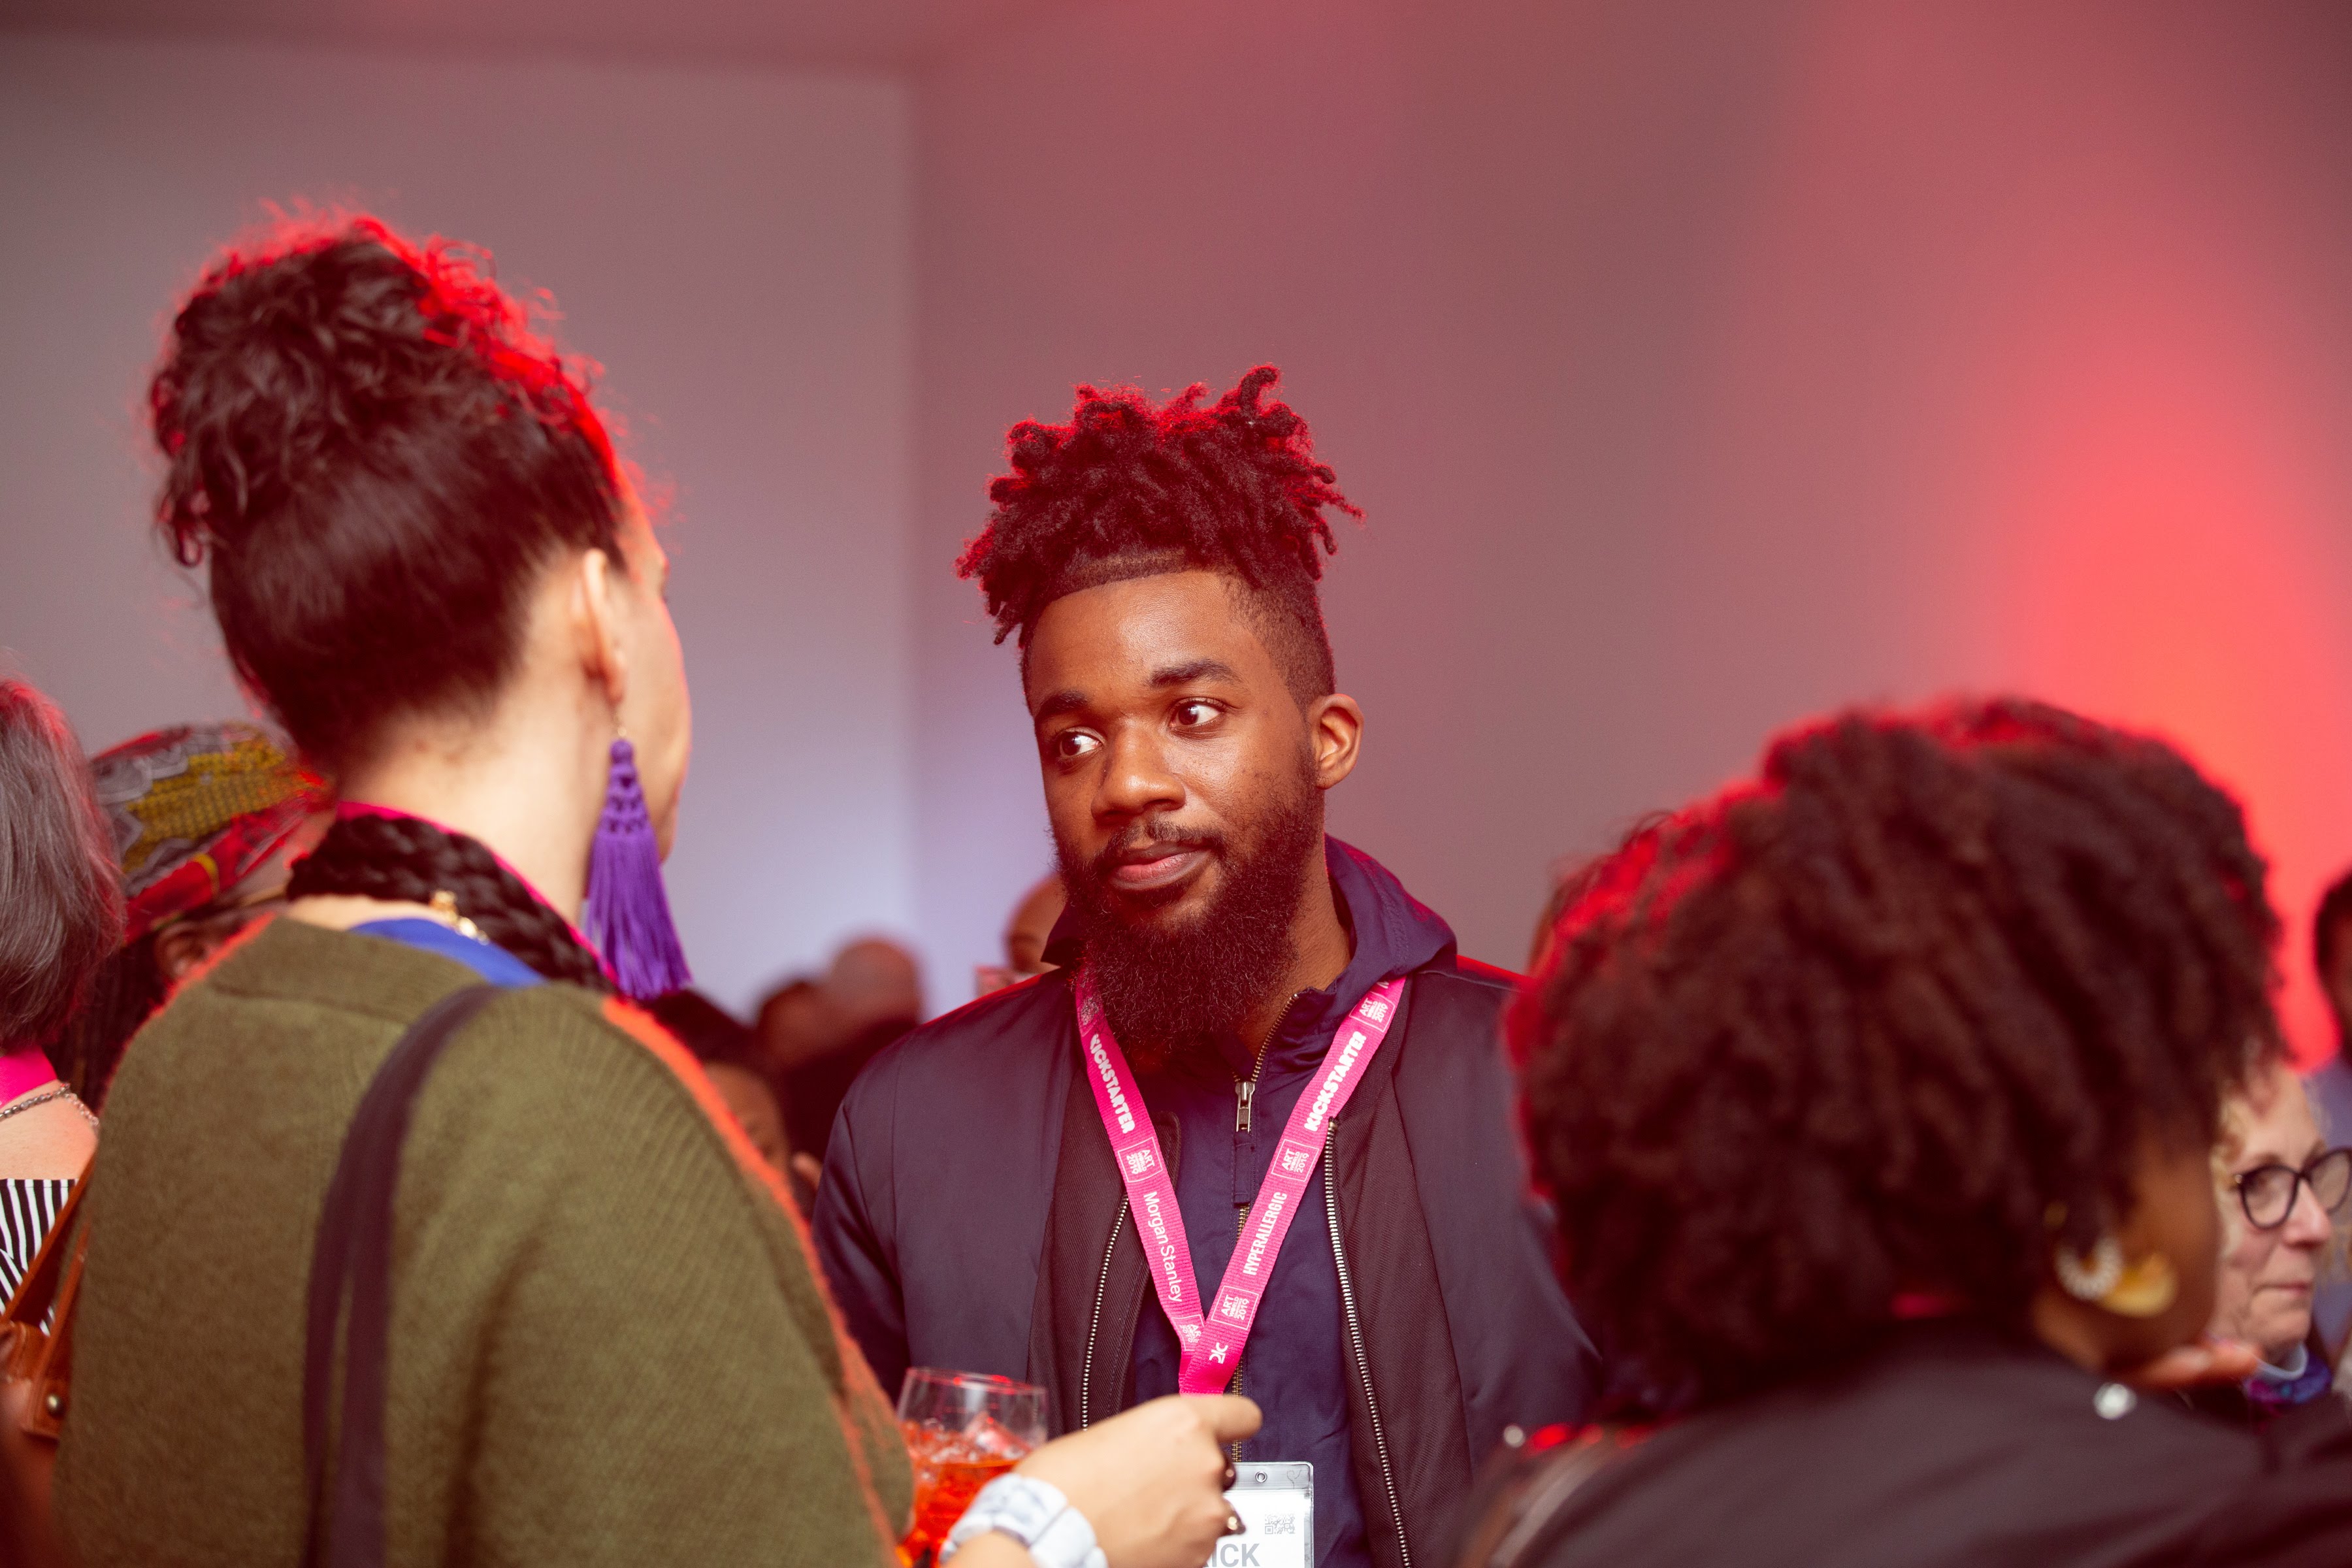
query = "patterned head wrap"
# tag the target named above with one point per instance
(193, 810)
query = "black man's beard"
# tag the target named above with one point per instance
(1169, 993)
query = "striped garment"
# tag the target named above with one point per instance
(29, 1206)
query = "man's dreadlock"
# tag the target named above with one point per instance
(1126, 489)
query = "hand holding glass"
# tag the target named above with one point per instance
(963, 1430)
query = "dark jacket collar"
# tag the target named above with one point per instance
(1394, 933)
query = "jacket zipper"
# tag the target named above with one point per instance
(1245, 1089)
(1356, 1343)
(1094, 1324)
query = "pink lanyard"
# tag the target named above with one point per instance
(1212, 1344)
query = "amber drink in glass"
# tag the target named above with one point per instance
(963, 1430)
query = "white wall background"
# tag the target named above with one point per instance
(1701, 364)
(733, 246)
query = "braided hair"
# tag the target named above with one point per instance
(1898, 1018)
(406, 859)
(1126, 489)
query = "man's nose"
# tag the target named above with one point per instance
(1136, 778)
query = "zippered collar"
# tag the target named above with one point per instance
(1392, 934)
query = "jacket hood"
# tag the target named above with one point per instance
(1395, 932)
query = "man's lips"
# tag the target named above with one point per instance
(1156, 866)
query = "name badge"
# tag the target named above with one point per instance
(1275, 1504)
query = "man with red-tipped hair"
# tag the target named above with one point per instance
(1254, 1134)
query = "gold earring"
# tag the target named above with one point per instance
(2089, 1279)
(2142, 1289)
(2148, 1287)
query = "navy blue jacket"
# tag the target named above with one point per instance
(970, 1217)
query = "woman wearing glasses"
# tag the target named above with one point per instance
(2281, 1188)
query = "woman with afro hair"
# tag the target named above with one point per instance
(1878, 1098)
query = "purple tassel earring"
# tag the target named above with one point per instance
(628, 910)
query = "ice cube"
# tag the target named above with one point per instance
(989, 1440)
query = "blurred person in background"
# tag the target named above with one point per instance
(2281, 1188)
(1878, 1099)
(1026, 936)
(207, 820)
(608, 1344)
(1233, 967)
(60, 915)
(2331, 1095)
(870, 996)
(792, 1025)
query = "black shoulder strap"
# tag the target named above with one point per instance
(1522, 1498)
(354, 1248)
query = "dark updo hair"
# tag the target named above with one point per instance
(1126, 489)
(377, 458)
(1895, 1019)
(60, 892)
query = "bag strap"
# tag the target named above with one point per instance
(1518, 1505)
(355, 1248)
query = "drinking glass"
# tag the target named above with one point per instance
(963, 1430)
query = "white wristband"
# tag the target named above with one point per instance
(1036, 1514)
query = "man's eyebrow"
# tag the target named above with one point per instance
(1196, 669)
(1069, 699)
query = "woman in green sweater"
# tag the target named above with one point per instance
(606, 1340)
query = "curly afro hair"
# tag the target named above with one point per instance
(2327, 930)
(377, 456)
(1126, 489)
(1893, 1019)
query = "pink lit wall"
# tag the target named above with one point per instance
(1701, 366)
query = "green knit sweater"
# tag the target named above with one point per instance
(608, 1341)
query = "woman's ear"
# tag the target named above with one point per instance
(597, 624)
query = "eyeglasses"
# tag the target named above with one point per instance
(2267, 1193)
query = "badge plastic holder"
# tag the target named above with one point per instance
(1275, 1503)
